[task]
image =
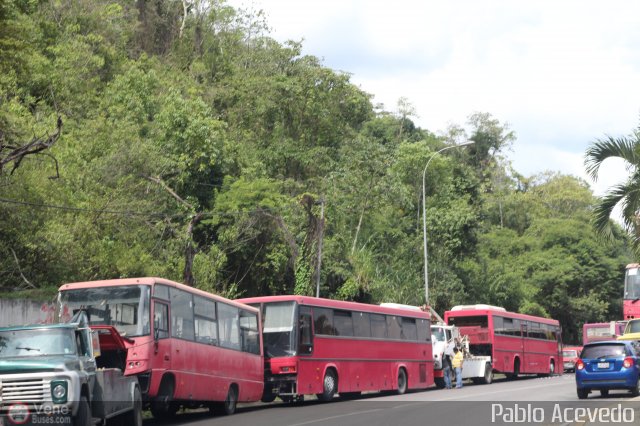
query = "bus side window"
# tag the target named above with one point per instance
(161, 320)
(305, 343)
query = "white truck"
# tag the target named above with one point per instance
(477, 368)
(49, 373)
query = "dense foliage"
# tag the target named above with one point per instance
(199, 149)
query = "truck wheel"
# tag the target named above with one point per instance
(83, 417)
(488, 374)
(134, 417)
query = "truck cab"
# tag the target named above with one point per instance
(51, 370)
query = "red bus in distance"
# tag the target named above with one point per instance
(517, 343)
(187, 347)
(631, 297)
(602, 331)
(323, 347)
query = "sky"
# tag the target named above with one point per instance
(561, 74)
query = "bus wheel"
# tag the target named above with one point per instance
(516, 370)
(439, 381)
(268, 395)
(488, 374)
(402, 381)
(229, 405)
(163, 406)
(330, 386)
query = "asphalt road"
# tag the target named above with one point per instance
(550, 400)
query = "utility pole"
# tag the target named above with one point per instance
(320, 238)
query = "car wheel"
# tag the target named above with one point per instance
(583, 393)
(636, 390)
(604, 392)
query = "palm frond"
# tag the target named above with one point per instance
(601, 149)
(604, 208)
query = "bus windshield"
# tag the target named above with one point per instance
(278, 331)
(632, 284)
(124, 307)
(36, 342)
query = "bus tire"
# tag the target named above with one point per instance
(231, 401)
(516, 370)
(83, 416)
(402, 381)
(163, 406)
(329, 386)
(268, 395)
(439, 381)
(488, 374)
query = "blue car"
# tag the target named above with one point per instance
(608, 365)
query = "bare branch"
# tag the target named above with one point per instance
(15, 257)
(35, 146)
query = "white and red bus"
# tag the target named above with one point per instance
(631, 297)
(517, 343)
(323, 347)
(601, 331)
(187, 347)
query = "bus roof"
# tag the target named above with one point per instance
(151, 281)
(338, 304)
(488, 310)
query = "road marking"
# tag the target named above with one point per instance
(335, 417)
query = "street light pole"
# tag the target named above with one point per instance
(424, 218)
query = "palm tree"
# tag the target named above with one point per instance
(626, 194)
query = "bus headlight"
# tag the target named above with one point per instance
(59, 391)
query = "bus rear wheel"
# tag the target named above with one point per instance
(402, 381)
(516, 370)
(228, 407)
(329, 386)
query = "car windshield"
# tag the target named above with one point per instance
(603, 351)
(36, 342)
(569, 354)
(124, 307)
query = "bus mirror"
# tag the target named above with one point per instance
(156, 330)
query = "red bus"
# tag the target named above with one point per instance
(517, 343)
(187, 347)
(631, 298)
(323, 347)
(599, 331)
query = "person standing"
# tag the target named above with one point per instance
(446, 364)
(458, 360)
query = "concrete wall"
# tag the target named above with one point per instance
(22, 311)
